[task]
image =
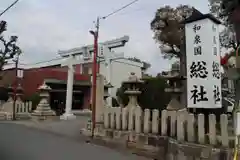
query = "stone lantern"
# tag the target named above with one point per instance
(175, 87)
(133, 85)
(174, 81)
(19, 92)
(43, 110)
(10, 94)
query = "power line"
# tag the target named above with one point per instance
(134, 11)
(46, 61)
(8, 7)
(125, 6)
(36, 63)
(110, 14)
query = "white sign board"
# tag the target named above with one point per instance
(203, 64)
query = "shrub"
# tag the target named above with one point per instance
(35, 99)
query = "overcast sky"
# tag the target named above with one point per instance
(46, 26)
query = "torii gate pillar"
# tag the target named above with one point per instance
(68, 109)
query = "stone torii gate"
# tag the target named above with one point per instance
(104, 53)
(108, 58)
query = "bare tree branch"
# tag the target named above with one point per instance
(3, 26)
(10, 48)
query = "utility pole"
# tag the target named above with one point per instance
(95, 66)
(15, 87)
(94, 74)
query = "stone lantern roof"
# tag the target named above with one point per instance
(133, 79)
(10, 89)
(19, 89)
(107, 84)
(44, 87)
(197, 15)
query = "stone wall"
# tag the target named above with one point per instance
(165, 135)
(169, 134)
(162, 147)
(181, 125)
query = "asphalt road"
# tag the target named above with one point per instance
(21, 143)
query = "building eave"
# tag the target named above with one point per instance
(57, 81)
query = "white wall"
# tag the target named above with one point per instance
(121, 70)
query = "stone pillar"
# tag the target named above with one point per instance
(118, 118)
(224, 130)
(146, 123)
(173, 120)
(164, 123)
(180, 126)
(19, 93)
(155, 121)
(138, 120)
(99, 99)
(43, 110)
(124, 118)
(212, 129)
(190, 128)
(201, 129)
(68, 109)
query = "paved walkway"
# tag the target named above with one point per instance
(69, 128)
(18, 142)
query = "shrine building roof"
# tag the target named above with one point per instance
(197, 15)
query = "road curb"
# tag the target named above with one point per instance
(119, 147)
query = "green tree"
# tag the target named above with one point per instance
(152, 96)
(3, 94)
(35, 99)
(146, 65)
(223, 10)
(8, 49)
(168, 29)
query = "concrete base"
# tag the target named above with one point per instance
(84, 112)
(43, 112)
(68, 116)
(44, 118)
